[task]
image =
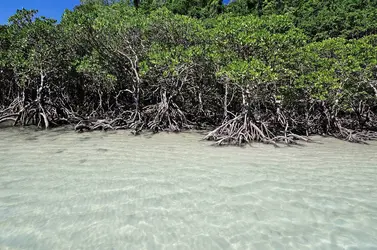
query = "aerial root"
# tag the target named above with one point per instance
(9, 117)
(165, 117)
(241, 130)
(237, 131)
(101, 124)
(355, 136)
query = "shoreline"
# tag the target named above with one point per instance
(311, 139)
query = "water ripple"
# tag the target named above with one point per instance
(62, 190)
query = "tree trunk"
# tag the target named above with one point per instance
(226, 102)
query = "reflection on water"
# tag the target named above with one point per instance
(62, 190)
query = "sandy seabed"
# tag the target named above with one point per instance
(63, 190)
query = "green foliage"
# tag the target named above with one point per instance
(33, 46)
(102, 2)
(255, 48)
(4, 45)
(189, 54)
(319, 19)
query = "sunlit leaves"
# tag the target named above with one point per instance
(34, 48)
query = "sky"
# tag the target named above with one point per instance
(49, 8)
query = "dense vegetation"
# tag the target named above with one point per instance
(253, 70)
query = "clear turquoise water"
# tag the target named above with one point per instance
(62, 190)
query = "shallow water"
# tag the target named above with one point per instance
(63, 190)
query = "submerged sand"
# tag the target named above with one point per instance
(63, 190)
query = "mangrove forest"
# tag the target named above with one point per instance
(272, 71)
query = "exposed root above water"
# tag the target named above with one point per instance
(238, 130)
(165, 117)
(355, 136)
(100, 124)
(272, 128)
(242, 130)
